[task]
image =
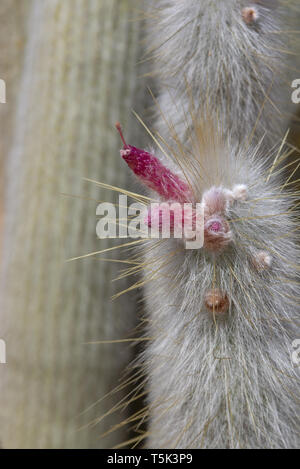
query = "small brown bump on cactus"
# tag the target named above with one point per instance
(216, 302)
(262, 261)
(250, 15)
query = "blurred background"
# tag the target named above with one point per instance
(72, 70)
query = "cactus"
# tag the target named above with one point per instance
(221, 319)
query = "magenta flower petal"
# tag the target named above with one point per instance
(154, 174)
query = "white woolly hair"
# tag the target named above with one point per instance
(223, 382)
(237, 72)
(229, 382)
